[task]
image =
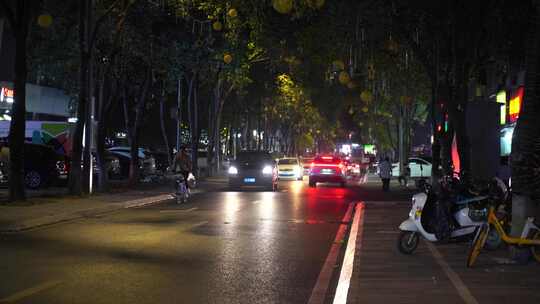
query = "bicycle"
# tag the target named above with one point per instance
(530, 236)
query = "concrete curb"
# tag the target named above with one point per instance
(65, 217)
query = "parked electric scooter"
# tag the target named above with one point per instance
(467, 215)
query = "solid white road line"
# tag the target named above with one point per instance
(30, 291)
(348, 261)
(461, 288)
(323, 281)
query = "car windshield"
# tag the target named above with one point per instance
(253, 156)
(287, 161)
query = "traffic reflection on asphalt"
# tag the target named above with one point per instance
(221, 247)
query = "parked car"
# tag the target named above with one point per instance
(112, 165)
(253, 168)
(327, 169)
(147, 163)
(290, 168)
(419, 168)
(42, 166)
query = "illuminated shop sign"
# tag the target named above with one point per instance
(515, 105)
(6, 95)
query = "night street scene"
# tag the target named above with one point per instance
(269, 151)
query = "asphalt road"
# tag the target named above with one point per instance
(221, 247)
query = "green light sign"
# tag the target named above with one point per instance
(369, 149)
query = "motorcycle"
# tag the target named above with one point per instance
(466, 214)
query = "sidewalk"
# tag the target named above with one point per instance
(434, 273)
(41, 211)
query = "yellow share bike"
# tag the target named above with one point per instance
(529, 237)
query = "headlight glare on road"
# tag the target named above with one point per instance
(232, 170)
(267, 170)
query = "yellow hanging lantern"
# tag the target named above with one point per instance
(227, 58)
(365, 109)
(366, 96)
(351, 111)
(233, 13)
(282, 6)
(344, 77)
(45, 20)
(338, 65)
(217, 26)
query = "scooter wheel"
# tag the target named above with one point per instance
(408, 241)
(477, 244)
(493, 240)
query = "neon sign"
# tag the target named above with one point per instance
(515, 105)
(6, 95)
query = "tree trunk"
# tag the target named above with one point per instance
(163, 127)
(135, 129)
(75, 178)
(18, 120)
(525, 158)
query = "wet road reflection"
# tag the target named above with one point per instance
(222, 247)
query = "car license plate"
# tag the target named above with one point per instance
(249, 180)
(327, 171)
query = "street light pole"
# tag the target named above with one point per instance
(179, 114)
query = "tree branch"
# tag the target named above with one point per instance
(9, 13)
(100, 20)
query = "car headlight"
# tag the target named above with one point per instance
(232, 170)
(267, 170)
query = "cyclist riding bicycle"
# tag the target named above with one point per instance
(182, 164)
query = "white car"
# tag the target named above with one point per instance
(420, 168)
(290, 168)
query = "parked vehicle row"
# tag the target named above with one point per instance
(42, 166)
(454, 212)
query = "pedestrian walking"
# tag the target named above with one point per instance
(385, 173)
